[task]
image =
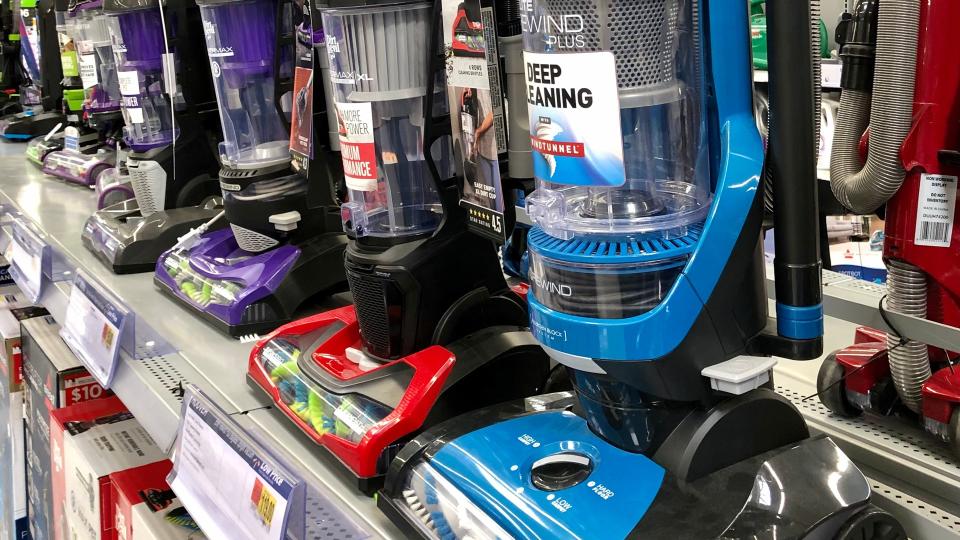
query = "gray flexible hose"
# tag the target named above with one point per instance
(909, 362)
(865, 187)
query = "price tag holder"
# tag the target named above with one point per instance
(231, 485)
(93, 327)
(26, 252)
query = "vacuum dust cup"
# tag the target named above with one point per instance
(138, 44)
(98, 67)
(379, 76)
(241, 43)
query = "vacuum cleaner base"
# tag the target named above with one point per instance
(23, 126)
(242, 293)
(564, 481)
(129, 243)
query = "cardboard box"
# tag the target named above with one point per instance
(88, 442)
(13, 491)
(145, 508)
(53, 378)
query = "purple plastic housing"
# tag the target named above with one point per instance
(218, 277)
(101, 92)
(241, 45)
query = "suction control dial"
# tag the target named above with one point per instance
(560, 471)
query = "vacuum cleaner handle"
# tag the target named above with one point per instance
(791, 160)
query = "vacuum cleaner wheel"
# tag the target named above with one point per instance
(872, 523)
(830, 387)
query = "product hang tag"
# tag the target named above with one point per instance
(574, 110)
(93, 326)
(935, 210)
(231, 485)
(170, 73)
(26, 252)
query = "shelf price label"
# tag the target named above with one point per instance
(26, 252)
(231, 485)
(93, 326)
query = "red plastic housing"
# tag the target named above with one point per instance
(431, 367)
(936, 127)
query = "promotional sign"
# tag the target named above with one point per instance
(357, 149)
(25, 253)
(130, 96)
(88, 64)
(566, 94)
(476, 101)
(93, 326)
(301, 122)
(232, 487)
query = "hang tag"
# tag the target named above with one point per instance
(93, 326)
(232, 486)
(25, 253)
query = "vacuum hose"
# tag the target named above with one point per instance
(879, 93)
(864, 188)
(909, 362)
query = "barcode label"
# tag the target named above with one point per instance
(935, 209)
(934, 232)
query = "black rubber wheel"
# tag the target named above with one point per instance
(831, 389)
(197, 191)
(955, 432)
(872, 523)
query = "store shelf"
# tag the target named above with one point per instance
(914, 476)
(212, 361)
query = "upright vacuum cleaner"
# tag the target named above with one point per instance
(911, 166)
(285, 240)
(95, 151)
(171, 132)
(42, 95)
(434, 330)
(648, 284)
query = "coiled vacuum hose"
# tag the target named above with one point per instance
(864, 188)
(909, 362)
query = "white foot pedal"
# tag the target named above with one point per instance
(740, 375)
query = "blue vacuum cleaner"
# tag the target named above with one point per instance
(647, 283)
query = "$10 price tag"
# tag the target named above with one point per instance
(230, 485)
(93, 327)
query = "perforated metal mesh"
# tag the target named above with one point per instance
(642, 34)
(252, 241)
(149, 182)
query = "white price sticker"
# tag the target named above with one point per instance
(88, 70)
(28, 266)
(935, 208)
(93, 328)
(229, 486)
(129, 83)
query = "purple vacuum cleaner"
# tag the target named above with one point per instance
(83, 163)
(285, 243)
(171, 169)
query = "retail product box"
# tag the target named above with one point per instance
(145, 508)
(5, 277)
(88, 442)
(53, 379)
(13, 491)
